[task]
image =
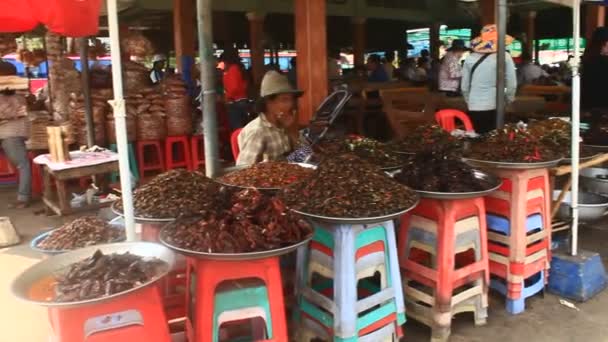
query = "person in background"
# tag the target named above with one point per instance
(528, 72)
(425, 59)
(450, 70)
(235, 89)
(594, 76)
(478, 84)
(292, 74)
(13, 134)
(333, 68)
(389, 68)
(158, 68)
(266, 137)
(376, 72)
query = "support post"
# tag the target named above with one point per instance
(595, 17)
(256, 45)
(86, 90)
(488, 12)
(183, 28)
(359, 37)
(434, 41)
(576, 88)
(530, 27)
(311, 46)
(118, 104)
(205, 45)
(500, 62)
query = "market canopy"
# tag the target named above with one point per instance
(73, 18)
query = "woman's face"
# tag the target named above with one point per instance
(281, 108)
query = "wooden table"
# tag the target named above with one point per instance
(83, 164)
(522, 104)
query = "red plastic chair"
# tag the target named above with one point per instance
(446, 118)
(234, 143)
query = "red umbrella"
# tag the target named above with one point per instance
(74, 18)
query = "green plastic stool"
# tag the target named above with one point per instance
(132, 163)
(237, 298)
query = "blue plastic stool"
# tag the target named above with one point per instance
(517, 306)
(502, 225)
(341, 314)
(132, 163)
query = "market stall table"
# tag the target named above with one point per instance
(522, 104)
(82, 164)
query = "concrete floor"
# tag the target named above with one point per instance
(544, 319)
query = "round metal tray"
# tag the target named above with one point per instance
(599, 148)
(508, 165)
(363, 220)
(59, 264)
(496, 183)
(232, 169)
(141, 219)
(43, 235)
(232, 256)
(581, 159)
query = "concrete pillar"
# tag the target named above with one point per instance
(488, 12)
(595, 17)
(434, 41)
(256, 45)
(311, 47)
(359, 37)
(183, 28)
(530, 29)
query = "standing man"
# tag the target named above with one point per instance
(13, 133)
(158, 68)
(376, 70)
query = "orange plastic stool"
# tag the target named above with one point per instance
(137, 316)
(197, 149)
(446, 118)
(156, 163)
(177, 153)
(203, 278)
(445, 278)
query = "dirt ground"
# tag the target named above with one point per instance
(545, 319)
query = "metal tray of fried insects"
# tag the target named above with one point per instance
(491, 179)
(232, 256)
(598, 148)
(356, 220)
(232, 169)
(139, 219)
(509, 165)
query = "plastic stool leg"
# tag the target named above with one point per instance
(345, 283)
(515, 306)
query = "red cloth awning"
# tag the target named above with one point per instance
(73, 18)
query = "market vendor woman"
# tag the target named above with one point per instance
(266, 137)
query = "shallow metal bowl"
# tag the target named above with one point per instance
(45, 234)
(591, 207)
(495, 181)
(58, 264)
(595, 180)
(510, 165)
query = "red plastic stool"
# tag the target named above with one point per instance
(514, 274)
(446, 118)
(8, 173)
(197, 147)
(177, 153)
(156, 164)
(137, 316)
(173, 287)
(203, 278)
(445, 278)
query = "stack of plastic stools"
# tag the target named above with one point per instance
(145, 164)
(432, 238)
(340, 297)
(132, 163)
(222, 291)
(177, 153)
(519, 234)
(197, 148)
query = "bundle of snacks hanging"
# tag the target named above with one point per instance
(8, 44)
(78, 121)
(135, 76)
(135, 44)
(177, 106)
(148, 106)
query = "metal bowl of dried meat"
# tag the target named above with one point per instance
(93, 274)
(81, 232)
